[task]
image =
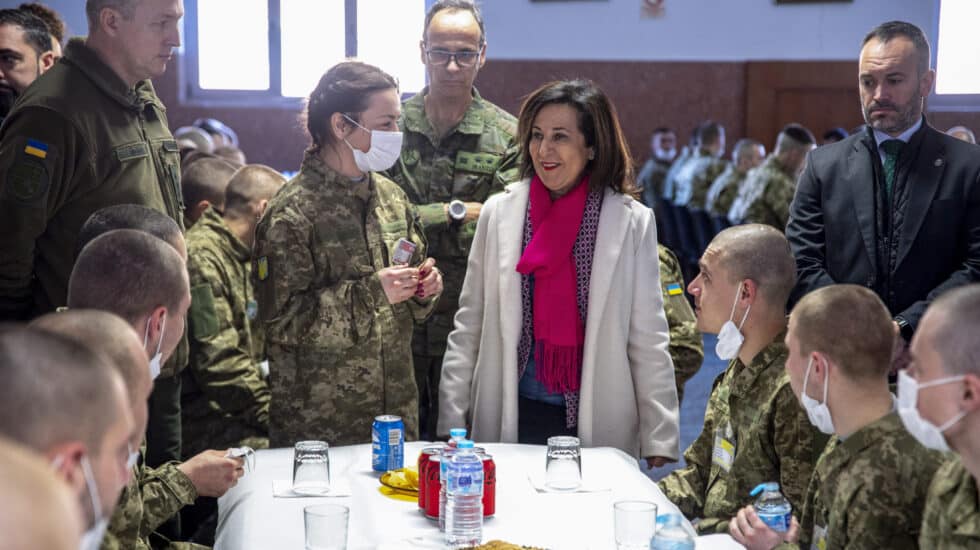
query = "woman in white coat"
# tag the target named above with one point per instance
(561, 327)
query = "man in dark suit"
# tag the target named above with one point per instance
(895, 207)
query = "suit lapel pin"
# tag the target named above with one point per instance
(938, 163)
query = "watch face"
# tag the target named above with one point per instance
(457, 210)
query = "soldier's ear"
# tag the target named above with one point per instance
(46, 61)
(971, 392)
(338, 125)
(109, 20)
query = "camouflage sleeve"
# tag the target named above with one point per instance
(124, 526)
(292, 309)
(165, 491)
(686, 347)
(797, 445)
(222, 365)
(42, 160)
(876, 517)
(509, 170)
(779, 201)
(686, 487)
(421, 308)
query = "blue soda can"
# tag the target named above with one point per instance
(387, 443)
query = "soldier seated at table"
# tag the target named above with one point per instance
(869, 486)
(754, 428)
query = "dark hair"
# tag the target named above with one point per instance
(709, 132)
(56, 26)
(36, 32)
(885, 32)
(455, 5)
(129, 273)
(205, 179)
(662, 130)
(345, 88)
(799, 134)
(835, 133)
(612, 166)
(127, 216)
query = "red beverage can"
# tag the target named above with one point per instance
(432, 486)
(489, 483)
(424, 465)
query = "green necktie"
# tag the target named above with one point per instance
(891, 148)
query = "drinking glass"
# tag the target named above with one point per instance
(563, 468)
(311, 468)
(326, 526)
(636, 523)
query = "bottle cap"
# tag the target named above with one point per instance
(457, 432)
(768, 486)
(465, 444)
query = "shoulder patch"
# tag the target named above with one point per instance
(262, 268)
(673, 289)
(28, 179)
(36, 149)
(410, 157)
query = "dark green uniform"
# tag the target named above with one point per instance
(686, 347)
(868, 491)
(152, 497)
(951, 520)
(339, 353)
(723, 191)
(225, 401)
(765, 195)
(471, 162)
(754, 431)
(651, 180)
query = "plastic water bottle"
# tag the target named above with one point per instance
(772, 507)
(671, 534)
(456, 435)
(464, 498)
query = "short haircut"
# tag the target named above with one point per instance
(94, 7)
(250, 184)
(710, 133)
(835, 134)
(129, 273)
(232, 154)
(957, 317)
(761, 253)
(205, 179)
(885, 32)
(54, 390)
(36, 32)
(56, 26)
(214, 126)
(851, 325)
(201, 139)
(612, 166)
(968, 133)
(128, 216)
(39, 511)
(743, 146)
(345, 88)
(455, 5)
(794, 136)
(108, 333)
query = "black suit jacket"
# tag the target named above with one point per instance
(832, 227)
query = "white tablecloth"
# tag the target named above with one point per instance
(251, 518)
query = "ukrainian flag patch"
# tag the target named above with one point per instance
(673, 289)
(263, 268)
(36, 148)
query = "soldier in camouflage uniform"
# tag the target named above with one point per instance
(746, 155)
(754, 429)
(653, 174)
(225, 402)
(768, 189)
(946, 374)
(337, 300)
(869, 485)
(699, 172)
(686, 347)
(457, 147)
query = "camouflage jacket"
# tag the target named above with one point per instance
(651, 180)
(152, 497)
(754, 431)
(723, 191)
(225, 399)
(695, 178)
(339, 353)
(686, 348)
(473, 161)
(868, 491)
(951, 520)
(765, 195)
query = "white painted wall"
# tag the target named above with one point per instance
(691, 30)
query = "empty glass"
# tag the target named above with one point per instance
(311, 468)
(563, 468)
(326, 526)
(636, 523)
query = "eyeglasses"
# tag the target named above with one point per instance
(463, 59)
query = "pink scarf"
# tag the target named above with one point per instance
(558, 331)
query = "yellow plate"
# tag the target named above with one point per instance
(403, 480)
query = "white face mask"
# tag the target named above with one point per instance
(665, 155)
(819, 413)
(383, 153)
(92, 538)
(158, 357)
(730, 337)
(134, 456)
(925, 432)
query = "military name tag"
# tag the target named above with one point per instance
(723, 454)
(479, 163)
(130, 152)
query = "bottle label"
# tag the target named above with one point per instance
(776, 522)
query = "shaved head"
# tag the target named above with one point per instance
(761, 253)
(249, 186)
(956, 316)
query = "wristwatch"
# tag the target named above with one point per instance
(904, 328)
(457, 211)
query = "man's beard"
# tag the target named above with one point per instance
(906, 118)
(7, 98)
